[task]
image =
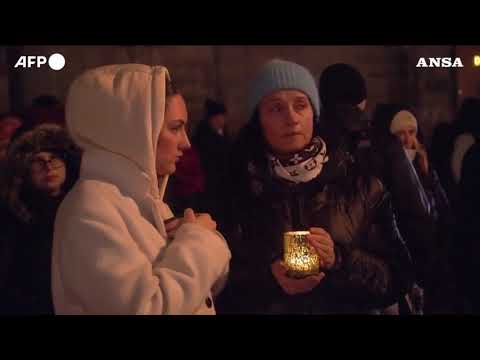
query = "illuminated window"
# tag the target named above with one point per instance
(476, 60)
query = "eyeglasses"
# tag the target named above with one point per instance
(38, 165)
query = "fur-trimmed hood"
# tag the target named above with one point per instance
(20, 195)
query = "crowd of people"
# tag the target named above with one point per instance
(89, 225)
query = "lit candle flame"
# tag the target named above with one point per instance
(299, 256)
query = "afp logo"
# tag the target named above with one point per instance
(439, 62)
(55, 61)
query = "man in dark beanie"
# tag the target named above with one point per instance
(343, 94)
(342, 84)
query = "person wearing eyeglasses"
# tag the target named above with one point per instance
(43, 164)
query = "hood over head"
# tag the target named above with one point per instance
(120, 109)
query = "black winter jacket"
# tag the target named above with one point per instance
(373, 267)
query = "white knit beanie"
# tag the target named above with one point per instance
(403, 120)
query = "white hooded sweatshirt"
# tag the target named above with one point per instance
(110, 248)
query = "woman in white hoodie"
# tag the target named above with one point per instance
(111, 250)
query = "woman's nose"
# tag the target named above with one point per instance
(291, 117)
(185, 143)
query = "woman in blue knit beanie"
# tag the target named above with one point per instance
(284, 177)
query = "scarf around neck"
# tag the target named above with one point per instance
(302, 166)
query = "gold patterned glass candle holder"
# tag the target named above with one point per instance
(298, 255)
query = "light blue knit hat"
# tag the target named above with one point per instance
(280, 74)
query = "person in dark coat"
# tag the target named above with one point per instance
(466, 132)
(468, 229)
(212, 145)
(343, 94)
(436, 259)
(375, 151)
(43, 165)
(284, 176)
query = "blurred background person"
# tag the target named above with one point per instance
(43, 165)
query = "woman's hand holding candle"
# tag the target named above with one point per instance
(323, 245)
(293, 286)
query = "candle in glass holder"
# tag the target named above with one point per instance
(299, 256)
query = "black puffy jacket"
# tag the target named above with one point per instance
(373, 267)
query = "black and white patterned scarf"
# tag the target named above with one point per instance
(303, 166)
